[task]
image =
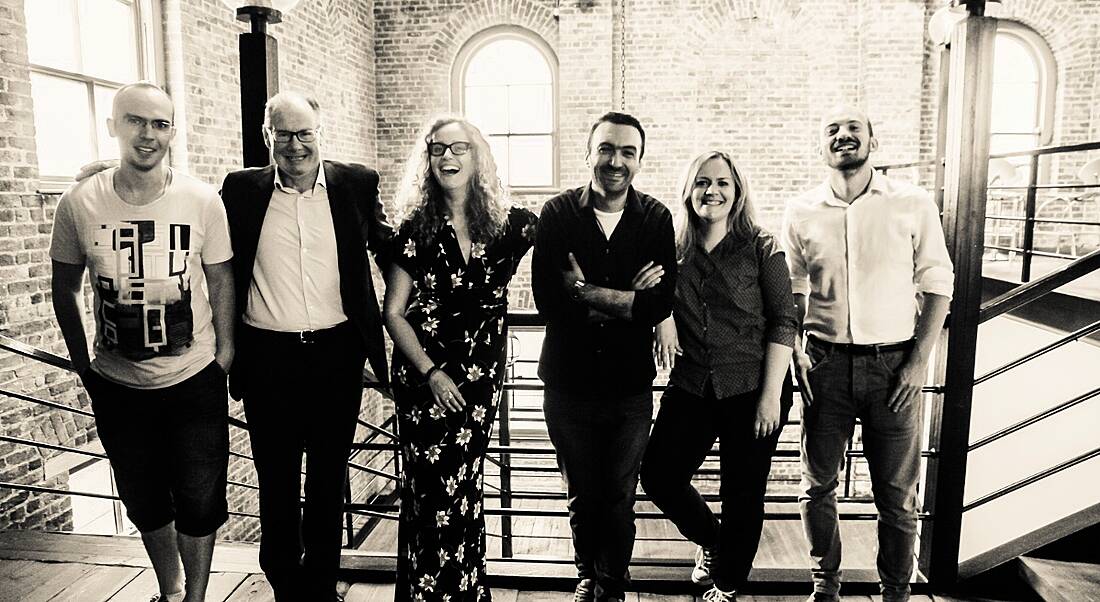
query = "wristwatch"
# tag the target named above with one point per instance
(578, 288)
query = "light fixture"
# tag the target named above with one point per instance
(265, 11)
(946, 17)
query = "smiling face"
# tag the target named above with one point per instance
(141, 121)
(714, 192)
(453, 172)
(845, 139)
(295, 158)
(615, 157)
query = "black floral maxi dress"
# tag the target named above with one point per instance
(458, 311)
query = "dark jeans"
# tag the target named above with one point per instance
(302, 397)
(847, 386)
(168, 447)
(599, 442)
(687, 426)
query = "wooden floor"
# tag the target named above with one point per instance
(41, 567)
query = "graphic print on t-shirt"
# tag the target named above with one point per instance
(144, 287)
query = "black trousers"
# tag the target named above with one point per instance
(686, 428)
(302, 398)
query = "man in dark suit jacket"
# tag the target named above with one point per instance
(308, 317)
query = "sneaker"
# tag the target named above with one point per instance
(705, 559)
(716, 595)
(586, 591)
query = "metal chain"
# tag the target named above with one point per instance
(622, 55)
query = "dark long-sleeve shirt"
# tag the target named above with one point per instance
(613, 356)
(730, 303)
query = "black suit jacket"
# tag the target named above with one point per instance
(360, 224)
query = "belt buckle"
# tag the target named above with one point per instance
(305, 337)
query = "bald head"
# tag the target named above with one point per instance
(143, 93)
(141, 122)
(846, 138)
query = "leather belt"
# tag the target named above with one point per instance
(300, 337)
(854, 349)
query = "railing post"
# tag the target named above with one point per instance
(966, 170)
(505, 437)
(1029, 220)
(349, 525)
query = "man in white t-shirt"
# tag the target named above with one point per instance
(156, 245)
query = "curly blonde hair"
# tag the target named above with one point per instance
(419, 202)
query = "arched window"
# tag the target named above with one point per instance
(1023, 90)
(80, 52)
(504, 81)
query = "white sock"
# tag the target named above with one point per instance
(174, 597)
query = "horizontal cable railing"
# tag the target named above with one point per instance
(507, 455)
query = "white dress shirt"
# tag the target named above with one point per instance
(295, 280)
(864, 264)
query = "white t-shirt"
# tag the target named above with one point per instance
(608, 220)
(152, 312)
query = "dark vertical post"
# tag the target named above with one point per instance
(259, 80)
(924, 553)
(505, 436)
(349, 525)
(966, 168)
(1029, 219)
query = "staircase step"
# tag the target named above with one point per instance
(1061, 581)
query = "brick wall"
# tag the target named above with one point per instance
(25, 311)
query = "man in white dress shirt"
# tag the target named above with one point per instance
(873, 280)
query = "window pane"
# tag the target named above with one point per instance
(108, 146)
(1014, 61)
(62, 124)
(530, 161)
(499, 146)
(530, 109)
(508, 61)
(109, 40)
(51, 34)
(1015, 107)
(487, 108)
(1006, 143)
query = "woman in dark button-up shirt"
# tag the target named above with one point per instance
(733, 328)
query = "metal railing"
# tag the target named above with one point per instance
(1029, 218)
(510, 456)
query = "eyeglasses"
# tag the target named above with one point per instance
(139, 123)
(284, 136)
(437, 149)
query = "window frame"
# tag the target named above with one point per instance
(458, 88)
(1048, 76)
(149, 40)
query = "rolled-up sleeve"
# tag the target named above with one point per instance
(934, 273)
(653, 305)
(792, 247)
(780, 316)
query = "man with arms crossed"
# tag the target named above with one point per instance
(603, 275)
(873, 280)
(309, 319)
(155, 241)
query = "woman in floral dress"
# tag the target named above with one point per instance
(458, 245)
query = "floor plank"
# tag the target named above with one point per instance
(223, 584)
(26, 581)
(253, 589)
(100, 583)
(139, 589)
(370, 592)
